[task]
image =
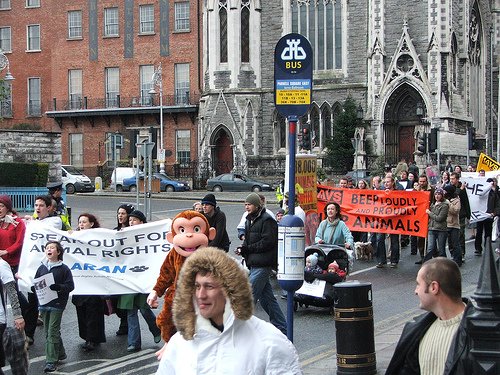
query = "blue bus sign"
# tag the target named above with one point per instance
(292, 75)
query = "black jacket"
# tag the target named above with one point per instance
(218, 221)
(260, 247)
(494, 202)
(464, 202)
(405, 358)
(63, 278)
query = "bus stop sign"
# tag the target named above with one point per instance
(293, 70)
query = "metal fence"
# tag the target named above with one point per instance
(23, 198)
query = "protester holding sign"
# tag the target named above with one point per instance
(333, 230)
(438, 214)
(486, 225)
(52, 311)
(89, 309)
(465, 212)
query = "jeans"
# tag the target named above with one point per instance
(487, 227)
(54, 348)
(381, 250)
(263, 292)
(434, 236)
(454, 245)
(134, 329)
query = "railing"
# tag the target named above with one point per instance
(186, 99)
(23, 198)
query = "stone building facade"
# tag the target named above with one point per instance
(413, 66)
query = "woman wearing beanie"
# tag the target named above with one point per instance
(217, 219)
(12, 229)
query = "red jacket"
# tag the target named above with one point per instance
(11, 239)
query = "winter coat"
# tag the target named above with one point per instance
(493, 202)
(341, 234)
(246, 345)
(405, 359)
(11, 239)
(464, 202)
(438, 215)
(63, 278)
(453, 214)
(218, 221)
(260, 247)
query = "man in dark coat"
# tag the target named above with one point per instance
(217, 219)
(437, 340)
(464, 208)
(486, 225)
(260, 250)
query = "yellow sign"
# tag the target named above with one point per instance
(487, 163)
(293, 97)
(306, 181)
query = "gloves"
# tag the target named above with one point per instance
(56, 287)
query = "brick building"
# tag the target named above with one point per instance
(414, 67)
(84, 68)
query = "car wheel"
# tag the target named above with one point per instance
(119, 188)
(70, 189)
(169, 188)
(217, 188)
(256, 189)
(133, 188)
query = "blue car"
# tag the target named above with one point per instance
(166, 183)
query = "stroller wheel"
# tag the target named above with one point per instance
(295, 306)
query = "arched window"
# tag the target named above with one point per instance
(280, 135)
(223, 30)
(245, 31)
(321, 23)
(454, 59)
(315, 134)
(327, 122)
(337, 110)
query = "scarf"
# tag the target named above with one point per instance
(8, 219)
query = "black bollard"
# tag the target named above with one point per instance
(355, 338)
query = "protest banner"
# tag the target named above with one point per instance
(102, 261)
(395, 211)
(477, 192)
(486, 163)
(306, 191)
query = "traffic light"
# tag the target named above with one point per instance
(433, 139)
(306, 137)
(422, 144)
(472, 137)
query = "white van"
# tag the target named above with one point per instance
(119, 174)
(75, 181)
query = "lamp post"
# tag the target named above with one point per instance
(4, 63)
(157, 80)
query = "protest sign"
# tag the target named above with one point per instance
(306, 181)
(486, 163)
(477, 192)
(395, 211)
(43, 292)
(102, 261)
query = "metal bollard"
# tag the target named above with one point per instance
(355, 338)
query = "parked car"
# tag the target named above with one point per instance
(236, 182)
(120, 173)
(75, 181)
(166, 183)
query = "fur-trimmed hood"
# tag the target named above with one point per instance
(232, 276)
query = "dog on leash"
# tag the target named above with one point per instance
(363, 250)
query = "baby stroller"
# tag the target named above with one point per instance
(317, 289)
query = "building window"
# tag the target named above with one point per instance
(245, 31)
(75, 88)
(75, 24)
(4, 4)
(112, 86)
(33, 37)
(181, 83)
(146, 72)
(147, 16)
(182, 16)
(183, 147)
(5, 39)
(321, 23)
(34, 97)
(109, 148)
(6, 99)
(32, 3)
(76, 150)
(223, 30)
(111, 22)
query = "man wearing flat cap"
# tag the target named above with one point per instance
(260, 250)
(217, 219)
(55, 191)
(492, 209)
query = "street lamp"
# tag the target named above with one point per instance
(156, 80)
(4, 63)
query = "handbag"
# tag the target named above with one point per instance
(108, 307)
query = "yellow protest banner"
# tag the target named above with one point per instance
(305, 181)
(487, 163)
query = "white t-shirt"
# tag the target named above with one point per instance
(6, 277)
